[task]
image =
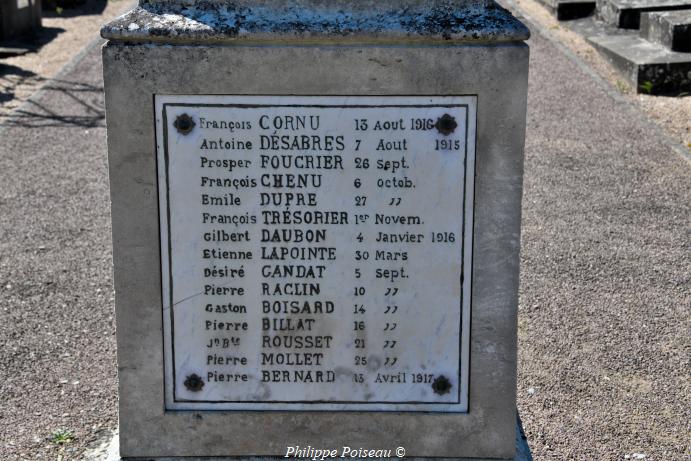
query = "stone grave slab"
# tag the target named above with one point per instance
(650, 67)
(669, 28)
(19, 18)
(565, 10)
(627, 13)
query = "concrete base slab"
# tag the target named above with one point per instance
(109, 450)
(650, 67)
(570, 9)
(672, 29)
(592, 27)
(627, 13)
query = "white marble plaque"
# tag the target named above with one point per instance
(313, 251)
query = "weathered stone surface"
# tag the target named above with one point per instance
(314, 47)
(627, 13)
(109, 450)
(591, 26)
(570, 9)
(650, 67)
(445, 20)
(363, 5)
(669, 28)
(496, 73)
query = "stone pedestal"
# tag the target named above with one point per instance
(109, 450)
(462, 48)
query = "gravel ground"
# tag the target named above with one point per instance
(605, 285)
(605, 290)
(57, 342)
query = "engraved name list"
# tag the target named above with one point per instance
(316, 251)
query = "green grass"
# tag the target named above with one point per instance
(647, 86)
(61, 436)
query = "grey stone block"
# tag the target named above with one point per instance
(109, 450)
(591, 27)
(669, 28)
(335, 22)
(650, 67)
(496, 73)
(570, 9)
(222, 50)
(627, 13)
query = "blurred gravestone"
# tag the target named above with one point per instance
(19, 18)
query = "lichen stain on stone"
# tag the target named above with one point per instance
(209, 21)
(447, 20)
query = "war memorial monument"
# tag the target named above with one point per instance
(316, 227)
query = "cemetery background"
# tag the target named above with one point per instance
(603, 318)
(63, 35)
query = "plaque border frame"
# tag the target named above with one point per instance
(161, 134)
